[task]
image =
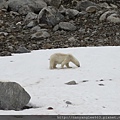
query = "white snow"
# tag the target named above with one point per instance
(47, 87)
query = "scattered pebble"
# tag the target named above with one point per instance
(71, 83)
(85, 81)
(68, 102)
(101, 84)
(101, 80)
(50, 108)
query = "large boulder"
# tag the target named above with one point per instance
(13, 96)
(25, 6)
(50, 15)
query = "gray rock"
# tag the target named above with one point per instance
(104, 5)
(56, 28)
(55, 3)
(13, 96)
(81, 30)
(25, 6)
(12, 13)
(104, 15)
(5, 53)
(11, 49)
(71, 39)
(71, 13)
(91, 9)
(113, 6)
(113, 18)
(87, 38)
(67, 26)
(36, 28)
(117, 40)
(4, 33)
(68, 102)
(50, 15)
(31, 24)
(30, 16)
(22, 50)
(48, 2)
(71, 83)
(12, 37)
(3, 4)
(40, 35)
(82, 5)
(1, 22)
(24, 10)
(84, 80)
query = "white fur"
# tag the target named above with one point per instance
(63, 59)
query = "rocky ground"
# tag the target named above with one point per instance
(82, 26)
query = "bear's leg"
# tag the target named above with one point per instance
(54, 66)
(62, 64)
(51, 64)
(65, 62)
(67, 65)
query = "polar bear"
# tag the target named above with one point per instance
(63, 59)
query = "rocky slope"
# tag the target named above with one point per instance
(65, 23)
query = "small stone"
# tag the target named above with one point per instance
(71, 39)
(36, 29)
(31, 24)
(12, 37)
(71, 83)
(30, 16)
(101, 80)
(71, 13)
(40, 35)
(68, 102)
(91, 9)
(56, 28)
(67, 26)
(50, 108)
(4, 33)
(85, 81)
(101, 84)
(47, 46)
